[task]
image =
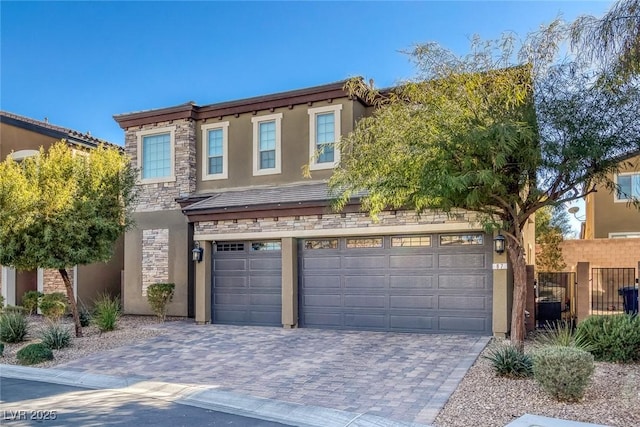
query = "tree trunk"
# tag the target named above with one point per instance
(515, 251)
(72, 301)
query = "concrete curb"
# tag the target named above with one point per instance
(208, 398)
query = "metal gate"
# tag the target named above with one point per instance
(607, 285)
(556, 297)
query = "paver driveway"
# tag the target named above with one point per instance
(406, 377)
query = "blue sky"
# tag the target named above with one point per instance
(79, 63)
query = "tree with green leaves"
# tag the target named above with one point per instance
(64, 207)
(552, 224)
(502, 131)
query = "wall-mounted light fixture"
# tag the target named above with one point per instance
(498, 244)
(197, 252)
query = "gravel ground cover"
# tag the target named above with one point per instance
(482, 399)
(130, 329)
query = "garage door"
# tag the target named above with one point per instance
(247, 282)
(439, 283)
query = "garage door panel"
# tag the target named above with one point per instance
(462, 302)
(265, 264)
(232, 264)
(321, 263)
(323, 300)
(265, 281)
(411, 261)
(364, 320)
(411, 301)
(466, 281)
(364, 261)
(230, 282)
(365, 301)
(323, 319)
(235, 299)
(461, 261)
(462, 324)
(321, 282)
(415, 322)
(230, 316)
(364, 281)
(264, 317)
(410, 282)
(272, 300)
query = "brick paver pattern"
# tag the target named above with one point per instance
(406, 377)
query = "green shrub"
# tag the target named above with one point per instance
(56, 336)
(13, 327)
(563, 334)
(106, 312)
(507, 361)
(14, 309)
(34, 353)
(159, 296)
(30, 301)
(1, 303)
(53, 306)
(85, 316)
(563, 372)
(614, 338)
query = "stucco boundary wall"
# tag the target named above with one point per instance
(603, 253)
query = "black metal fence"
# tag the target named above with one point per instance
(607, 289)
(556, 297)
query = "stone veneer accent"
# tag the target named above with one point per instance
(330, 221)
(155, 257)
(161, 196)
(52, 281)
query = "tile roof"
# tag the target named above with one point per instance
(72, 136)
(274, 195)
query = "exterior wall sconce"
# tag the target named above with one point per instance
(197, 252)
(498, 244)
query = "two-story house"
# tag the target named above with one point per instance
(21, 137)
(609, 215)
(227, 179)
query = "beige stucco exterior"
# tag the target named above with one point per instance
(605, 216)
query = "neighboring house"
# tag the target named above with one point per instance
(228, 178)
(21, 137)
(610, 215)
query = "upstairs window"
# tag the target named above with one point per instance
(156, 154)
(266, 144)
(215, 149)
(324, 133)
(629, 184)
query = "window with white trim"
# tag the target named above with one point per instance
(215, 143)
(629, 187)
(324, 133)
(156, 154)
(267, 154)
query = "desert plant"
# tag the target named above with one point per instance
(56, 336)
(507, 361)
(34, 353)
(53, 306)
(613, 338)
(563, 334)
(106, 312)
(13, 327)
(85, 316)
(14, 309)
(30, 301)
(563, 372)
(159, 296)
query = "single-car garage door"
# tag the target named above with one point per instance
(439, 283)
(247, 282)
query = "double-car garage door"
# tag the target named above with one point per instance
(417, 283)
